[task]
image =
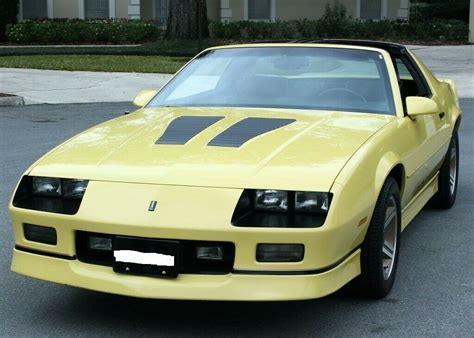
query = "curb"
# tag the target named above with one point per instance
(11, 100)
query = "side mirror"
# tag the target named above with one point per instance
(417, 105)
(144, 97)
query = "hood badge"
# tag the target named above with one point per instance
(152, 205)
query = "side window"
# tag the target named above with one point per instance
(411, 81)
(403, 72)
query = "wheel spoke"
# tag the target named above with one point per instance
(392, 212)
(387, 250)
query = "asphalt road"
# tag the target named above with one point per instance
(432, 296)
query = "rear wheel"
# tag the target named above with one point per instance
(448, 177)
(379, 255)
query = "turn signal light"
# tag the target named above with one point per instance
(40, 234)
(280, 252)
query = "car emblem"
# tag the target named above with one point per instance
(152, 205)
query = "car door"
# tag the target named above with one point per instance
(424, 135)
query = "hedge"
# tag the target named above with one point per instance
(423, 10)
(341, 27)
(64, 31)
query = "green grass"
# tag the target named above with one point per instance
(162, 47)
(97, 63)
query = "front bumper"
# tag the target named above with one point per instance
(122, 209)
(232, 287)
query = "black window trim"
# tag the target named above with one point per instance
(416, 73)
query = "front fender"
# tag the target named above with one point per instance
(359, 183)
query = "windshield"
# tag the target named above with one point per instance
(320, 78)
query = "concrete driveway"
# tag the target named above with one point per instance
(57, 86)
(48, 86)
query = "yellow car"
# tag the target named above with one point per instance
(277, 171)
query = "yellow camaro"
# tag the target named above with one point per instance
(259, 172)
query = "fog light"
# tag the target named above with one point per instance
(280, 252)
(100, 243)
(212, 253)
(40, 234)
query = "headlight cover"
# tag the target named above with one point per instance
(46, 186)
(50, 194)
(271, 200)
(315, 202)
(73, 188)
(281, 209)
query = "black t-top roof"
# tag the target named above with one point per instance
(392, 48)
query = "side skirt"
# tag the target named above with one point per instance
(419, 201)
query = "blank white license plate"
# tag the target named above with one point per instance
(146, 258)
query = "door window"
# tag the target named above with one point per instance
(411, 82)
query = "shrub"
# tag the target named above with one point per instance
(65, 31)
(427, 10)
(335, 24)
(8, 13)
(426, 31)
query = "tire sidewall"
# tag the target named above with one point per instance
(454, 142)
(388, 283)
(372, 278)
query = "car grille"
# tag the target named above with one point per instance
(188, 262)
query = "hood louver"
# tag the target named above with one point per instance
(247, 129)
(184, 128)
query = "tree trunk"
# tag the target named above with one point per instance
(185, 17)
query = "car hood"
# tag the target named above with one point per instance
(273, 148)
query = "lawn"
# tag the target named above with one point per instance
(97, 63)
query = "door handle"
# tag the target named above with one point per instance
(441, 115)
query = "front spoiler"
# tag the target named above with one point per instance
(230, 287)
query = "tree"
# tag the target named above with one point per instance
(8, 13)
(187, 19)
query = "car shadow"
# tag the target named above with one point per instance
(127, 315)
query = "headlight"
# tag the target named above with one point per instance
(271, 200)
(51, 186)
(281, 209)
(316, 202)
(50, 194)
(46, 186)
(74, 188)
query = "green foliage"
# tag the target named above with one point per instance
(335, 12)
(427, 10)
(117, 31)
(8, 14)
(335, 24)
(344, 28)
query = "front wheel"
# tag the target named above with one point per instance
(448, 176)
(379, 256)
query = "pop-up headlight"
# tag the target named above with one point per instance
(50, 194)
(281, 209)
(271, 200)
(46, 186)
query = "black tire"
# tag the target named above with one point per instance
(375, 280)
(446, 195)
